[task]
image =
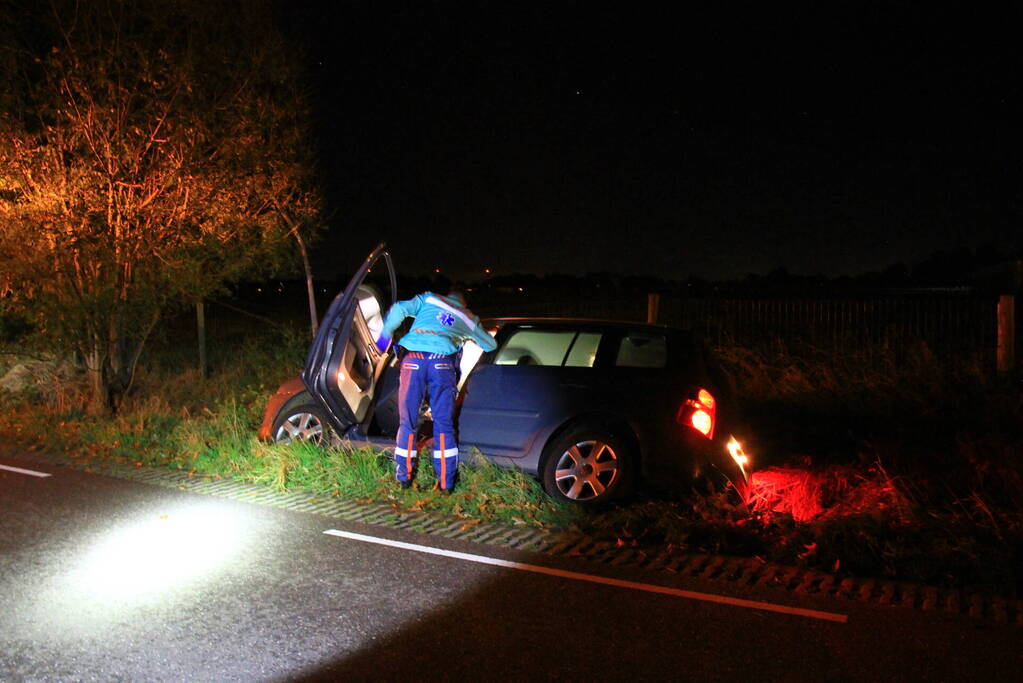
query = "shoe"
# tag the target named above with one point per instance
(405, 484)
(436, 487)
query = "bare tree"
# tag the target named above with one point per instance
(150, 152)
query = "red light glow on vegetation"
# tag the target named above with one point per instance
(836, 491)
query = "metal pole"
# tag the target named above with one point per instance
(1006, 333)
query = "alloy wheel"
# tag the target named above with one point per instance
(586, 470)
(300, 427)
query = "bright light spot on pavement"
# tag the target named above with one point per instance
(159, 552)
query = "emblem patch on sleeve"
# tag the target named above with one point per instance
(446, 319)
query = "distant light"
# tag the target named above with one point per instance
(436, 270)
(259, 289)
(487, 271)
(521, 290)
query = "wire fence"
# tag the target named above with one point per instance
(953, 324)
(949, 323)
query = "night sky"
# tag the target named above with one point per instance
(581, 137)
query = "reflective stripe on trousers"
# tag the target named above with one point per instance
(422, 373)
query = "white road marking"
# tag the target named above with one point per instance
(32, 473)
(578, 576)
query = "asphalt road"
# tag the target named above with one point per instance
(105, 579)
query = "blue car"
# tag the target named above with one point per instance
(588, 407)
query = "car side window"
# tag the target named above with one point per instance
(583, 351)
(535, 347)
(642, 350)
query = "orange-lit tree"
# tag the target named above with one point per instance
(150, 152)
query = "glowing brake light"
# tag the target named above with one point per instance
(703, 422)
(699, 413)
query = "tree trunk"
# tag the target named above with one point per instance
(117, 370)
(99, 399)
(310, 292)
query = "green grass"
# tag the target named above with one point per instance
(945, 442)
(207, 426)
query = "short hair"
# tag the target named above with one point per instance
(458, 294)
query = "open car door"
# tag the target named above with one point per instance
(344, 363)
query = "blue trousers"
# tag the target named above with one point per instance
(421, 372)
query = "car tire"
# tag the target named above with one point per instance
(304, 423)
(588, 466)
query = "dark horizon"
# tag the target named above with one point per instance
(568, 139)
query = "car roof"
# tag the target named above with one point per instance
(596, 322)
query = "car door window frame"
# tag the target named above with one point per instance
(325, 353)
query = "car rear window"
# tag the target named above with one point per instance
(549, 347)
(642, 350)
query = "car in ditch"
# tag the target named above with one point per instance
(589, 407)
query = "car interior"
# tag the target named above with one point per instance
(568, 348)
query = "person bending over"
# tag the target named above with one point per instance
(441, 325)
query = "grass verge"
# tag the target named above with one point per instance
(910, 471)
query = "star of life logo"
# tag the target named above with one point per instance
(446, 319)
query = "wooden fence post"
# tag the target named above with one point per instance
(1006, 333)
(653, 303)
(200, 325)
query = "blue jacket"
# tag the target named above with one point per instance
(441, 325)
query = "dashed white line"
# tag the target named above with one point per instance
(592, 578)
(31, 473)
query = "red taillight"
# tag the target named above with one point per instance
(699, 413)
(703, 422)
(704, 397)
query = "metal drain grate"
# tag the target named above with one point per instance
(742, 571)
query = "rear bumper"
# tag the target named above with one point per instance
(683, 455)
